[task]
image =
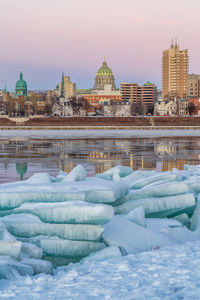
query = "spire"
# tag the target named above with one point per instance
(104, 62)
(21, 74)
(172, 44)
(62, 92)
(5, 88)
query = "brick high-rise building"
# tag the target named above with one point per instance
(175, 64)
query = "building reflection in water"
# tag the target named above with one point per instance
(21, 169)
(97, 156)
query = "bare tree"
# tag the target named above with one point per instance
(138, 107)
(10, 106)
(78, 104)
(191, 107)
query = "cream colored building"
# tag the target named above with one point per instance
(69, 88)
(193, 87)
(162, 108)
(175, 65)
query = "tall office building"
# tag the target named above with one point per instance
(175, 65)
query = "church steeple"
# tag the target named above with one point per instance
(62, 92)
(5, 88)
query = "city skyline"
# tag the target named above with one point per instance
(45, 38)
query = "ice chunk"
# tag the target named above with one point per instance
(8, 244)
(66, 248)
(29, 250)
(137, 216)
(183, 219)
(92, 190)
(146, 181)
(70, 212)
(101, 255)
(11, 248)
(10, 200)
(10, 269)
(27, 225)
(172, 229)
(163, 190)
(40, 178)
(121, 171)
(132, 237)
(137, 175)
(61, 175)
(38, 265)
(105, 191)
(160, 207)
(195, 220)
(77, 174)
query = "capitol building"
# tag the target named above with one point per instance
(104, 78)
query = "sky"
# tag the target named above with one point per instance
(46, 37)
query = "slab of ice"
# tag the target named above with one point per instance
(183, 219)
(70, 212)
(168, 176)
(104, 191)
(104, 254)
(11, 248)
(27, 225)
(77, 174)
(29, 250)
(67, 248)
(60, 176)
(40, 178)
(92, 190)
(137, 216)
(38, 265)
(137, 175)
(163, 190)
(132, 237)
(10, 200)
(173, 230)
(10, 269)
(121, 171)
(195, 220)
(159, 207)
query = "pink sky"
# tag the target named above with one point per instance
(46, 37)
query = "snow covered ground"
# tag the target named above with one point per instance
(136, 235)
(170, 273)
(74, 134)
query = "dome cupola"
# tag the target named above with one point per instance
(21, 87)
(104, 76)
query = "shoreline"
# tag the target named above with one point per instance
(20, 127)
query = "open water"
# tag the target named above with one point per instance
(20, 157)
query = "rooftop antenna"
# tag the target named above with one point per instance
(172, 44)
(176, 42)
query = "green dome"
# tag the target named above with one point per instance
(104, 70)
(21, 83)
(21, 87)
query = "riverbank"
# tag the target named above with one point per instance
(132, 123)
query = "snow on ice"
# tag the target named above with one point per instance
(136, 235)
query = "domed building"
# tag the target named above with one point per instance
(21, 87)
(104, 77)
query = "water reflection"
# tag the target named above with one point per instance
(20, 158)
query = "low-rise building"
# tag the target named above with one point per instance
(183, 107)
(165, 108)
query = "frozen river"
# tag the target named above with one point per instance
(24, 152)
